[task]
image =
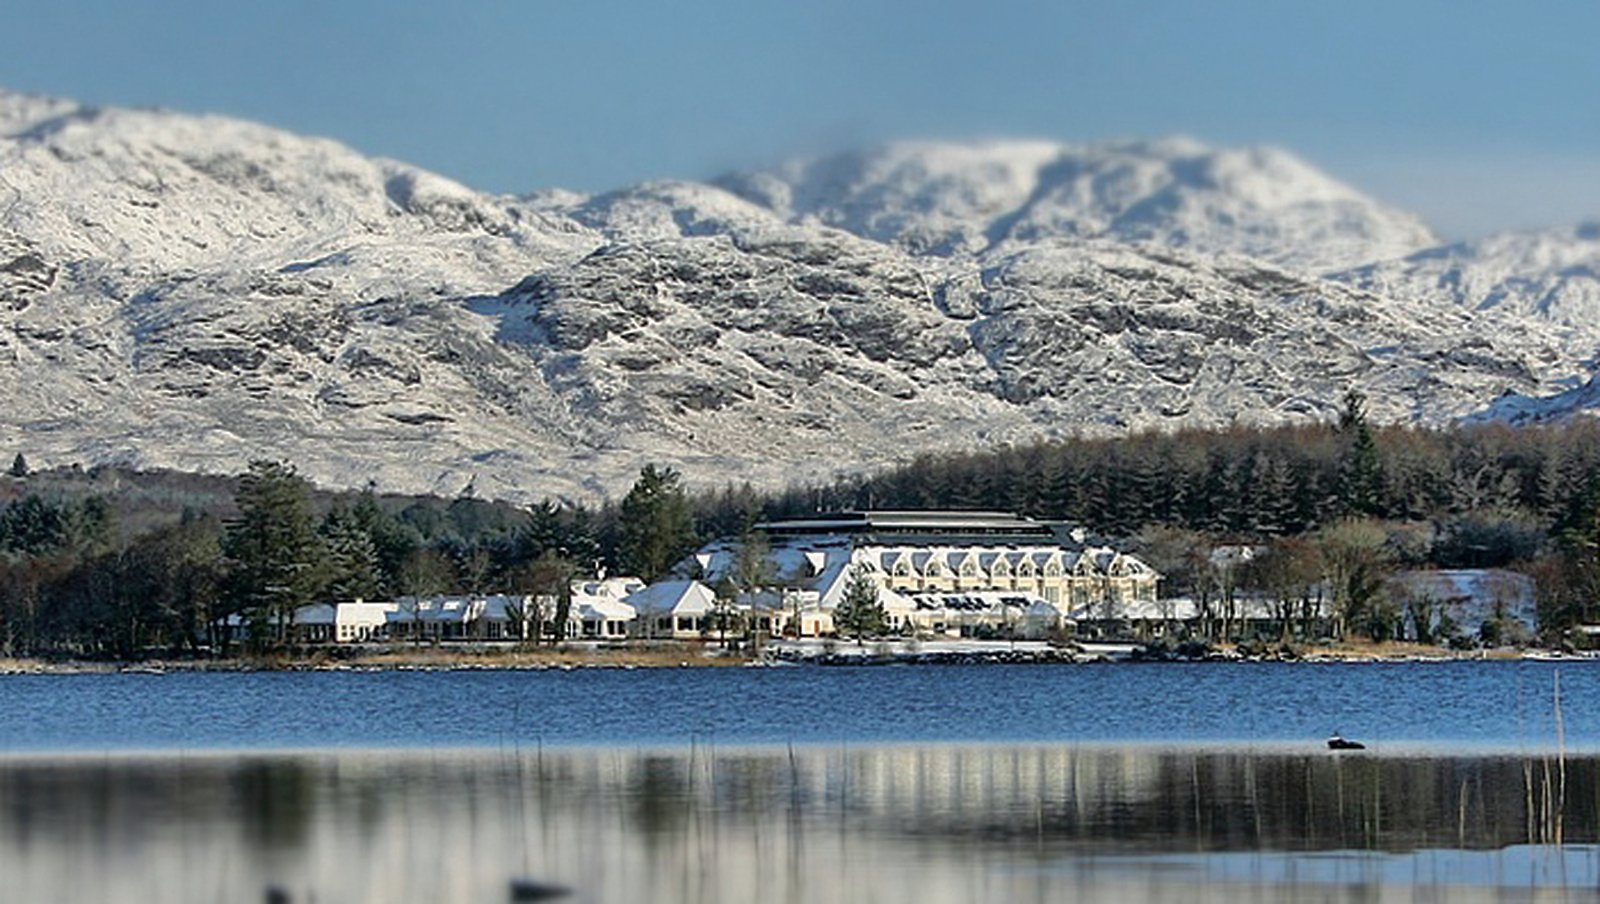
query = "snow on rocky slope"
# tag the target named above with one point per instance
(944, 198)
(193, 292)
(1549, 276)
(1552, 275)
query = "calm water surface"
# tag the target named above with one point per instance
(1494, 704)
(932, 784)
(925, 823)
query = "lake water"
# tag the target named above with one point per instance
(933, 784)
(1503, 705)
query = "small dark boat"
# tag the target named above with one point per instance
(1339, 742)
(529, 890)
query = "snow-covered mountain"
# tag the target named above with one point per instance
(1552, 275)
(193, 292)
(945, 198)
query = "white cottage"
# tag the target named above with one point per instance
(600, 610)
(675, 610)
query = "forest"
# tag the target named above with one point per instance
(118, 564)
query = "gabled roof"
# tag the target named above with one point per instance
(602, 608)
(674, 597)
(433, 609)
(503, 608)
(615, 587)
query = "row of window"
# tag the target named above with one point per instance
(969, 569)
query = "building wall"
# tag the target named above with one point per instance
(909, 572)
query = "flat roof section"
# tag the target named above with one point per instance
(937, 523)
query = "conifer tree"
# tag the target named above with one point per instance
(353, 570)
(1360, 466)
(860, 613)
(274, 554)
(393, 541)
(657, 528)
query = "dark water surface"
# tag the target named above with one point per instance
(935, 784)
(926, 823)
(1504, 705)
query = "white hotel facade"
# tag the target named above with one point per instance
(940, 574)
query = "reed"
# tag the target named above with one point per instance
(1544, 782)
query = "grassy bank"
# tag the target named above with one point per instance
(406, 657)
(655, 655)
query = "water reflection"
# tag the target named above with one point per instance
(926, 824)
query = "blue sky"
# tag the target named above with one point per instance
(1478, 115)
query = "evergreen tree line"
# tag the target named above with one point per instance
(75, 580)
(1251, 483)
(1330, 506)
(1334, 509)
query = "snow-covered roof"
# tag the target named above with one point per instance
(501, 607)
(835, 576)
(432, 609)
(615, 587)
(896, 603)
(1000, 603)
(675, 597)
(360, 614)
(821, 563)
(791, 562)
(601, 608)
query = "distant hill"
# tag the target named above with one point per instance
(192, 292)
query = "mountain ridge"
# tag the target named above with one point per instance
(1175, 192)
(184, 291)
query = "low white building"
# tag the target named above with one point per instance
(433, 618)
(353, 622)
(980, 558)
(361, 621)
(600, 610)
(984, 614)
(677, 610)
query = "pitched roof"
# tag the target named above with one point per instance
(677, 597)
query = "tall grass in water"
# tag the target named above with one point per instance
(1546, 798)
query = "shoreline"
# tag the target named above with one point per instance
(369, 659)
(779, 654)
